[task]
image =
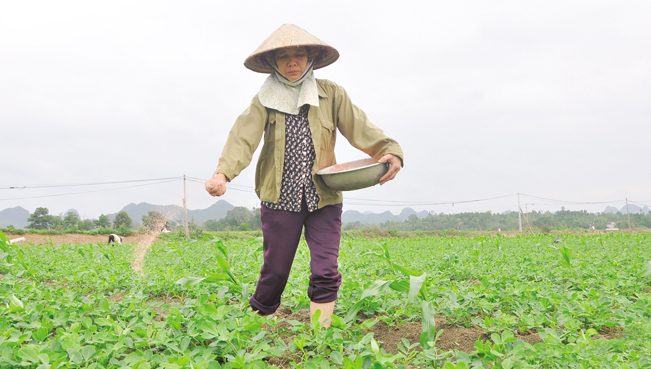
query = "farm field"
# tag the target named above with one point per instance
(74, 238)
(439, 302)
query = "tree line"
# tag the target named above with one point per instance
(236, 219)
(487, 221)
(71, 222)
(244, 219)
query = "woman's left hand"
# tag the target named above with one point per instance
(393, 170)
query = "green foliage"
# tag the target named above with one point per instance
(646, 271)
(103, 222)
(255, 223)
(238, 218)
(542, 222)
(122, 221)
(154, 221)
(71, 220)
(56, 223)
(85, 306)
(213, 225)
(39, 219)
(123, 230)
(86, 225)
(11, 229)
(196, 232)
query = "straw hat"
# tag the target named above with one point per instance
(290, 35)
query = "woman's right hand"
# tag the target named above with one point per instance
(216, 185)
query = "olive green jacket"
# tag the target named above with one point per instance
(335, 111)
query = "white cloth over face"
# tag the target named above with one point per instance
(279, 93)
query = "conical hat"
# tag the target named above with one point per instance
(286, 36)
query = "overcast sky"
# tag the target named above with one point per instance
(488, 99)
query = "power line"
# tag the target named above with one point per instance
(250, 189)
(231, 186)
(201, 180)
(571, 202)
(639, 203)
(423, 203)
(378, 202)
(83, 192)
(85, 184)
(390, 203)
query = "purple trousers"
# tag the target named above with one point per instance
(281, 231)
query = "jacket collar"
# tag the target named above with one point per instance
(321, 90)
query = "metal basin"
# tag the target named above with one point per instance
(354, 175)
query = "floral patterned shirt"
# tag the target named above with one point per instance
(299, 160)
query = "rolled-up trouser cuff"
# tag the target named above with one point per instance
(262, 309)
(322, 291)
(321, 298)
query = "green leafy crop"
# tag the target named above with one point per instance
(584, 303)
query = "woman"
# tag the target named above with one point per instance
(298, 116)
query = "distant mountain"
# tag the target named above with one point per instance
(351, 216)
(136, 211)
(216, 211)
(70, 211)
(612, 209)
(407, 212)
(16, 217)
(632, 208)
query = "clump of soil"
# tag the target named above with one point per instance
(117, 297)
(452, 338)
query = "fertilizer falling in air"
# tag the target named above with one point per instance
(144, 243)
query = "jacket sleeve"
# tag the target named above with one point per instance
(243, 140)
(360, 132)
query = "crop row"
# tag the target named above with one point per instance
(585, 300)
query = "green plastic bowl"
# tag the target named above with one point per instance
(354, 175)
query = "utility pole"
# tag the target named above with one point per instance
(519, 213)
(185, 210)
(628, 215)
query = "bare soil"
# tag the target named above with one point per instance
(73, 238)
(117, 297)
(452, 338)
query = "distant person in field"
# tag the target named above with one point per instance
(297, 116)
(114, 238)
